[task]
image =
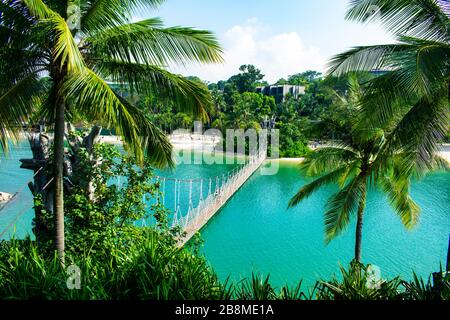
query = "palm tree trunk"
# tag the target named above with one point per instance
(359, 224)
(59, 176)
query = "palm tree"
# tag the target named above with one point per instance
(80, 45)
(355, 166)
(414, 85)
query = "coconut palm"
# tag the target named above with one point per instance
(414, 85)
(80, 45)
(355, 165)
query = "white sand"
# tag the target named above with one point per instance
(179, 142)
(291, 160)
(445, 153)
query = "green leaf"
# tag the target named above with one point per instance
(148, 42)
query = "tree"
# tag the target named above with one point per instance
(247, 80)
(304, 78)
(317, 98)
(355, 166)
(282, 82)
(80, 44)
(414, 74)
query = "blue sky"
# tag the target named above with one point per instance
(281, 37)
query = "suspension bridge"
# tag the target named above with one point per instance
(205, 197)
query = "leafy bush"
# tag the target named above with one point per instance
(100, 212)
(436, 289)
(293, 143)
(355, 285)
(148, 270)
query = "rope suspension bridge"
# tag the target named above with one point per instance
(196, 201)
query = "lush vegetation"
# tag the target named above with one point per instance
(80, 44)
(321, 113)
(154, 269)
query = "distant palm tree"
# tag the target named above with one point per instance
(414, 85)
(355, 165)
(79, 45)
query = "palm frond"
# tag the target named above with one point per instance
(155, 143)
(14, 13)
(419, 133)
(189, 96)
(66, 50)
(101, 14)
(398, 193)
(423, 66)
(306, 191)
(16, 104)
(385, 99)
(39, 9)
(148, 42)
(92, 97)
(365, 58)
(342, 206)
(419, 18)
(325, 159)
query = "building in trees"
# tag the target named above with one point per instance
(280, 92)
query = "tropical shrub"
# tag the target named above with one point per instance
(150, 268)
(356, 284)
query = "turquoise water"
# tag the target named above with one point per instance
(16, 216)
(255, 232)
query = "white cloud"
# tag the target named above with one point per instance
(278, 56)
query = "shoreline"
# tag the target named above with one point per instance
(198, 143)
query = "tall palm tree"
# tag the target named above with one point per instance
(415, 85)
(355, 166)
(81, 44)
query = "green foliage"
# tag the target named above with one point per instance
(355, 285)
(413, 83)
(99, 213)
(247, 80)
(148, 268)
(151, 268)
(259, 288)
(304, 78)
(293, 143)
(436, 289)
(106, 45)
